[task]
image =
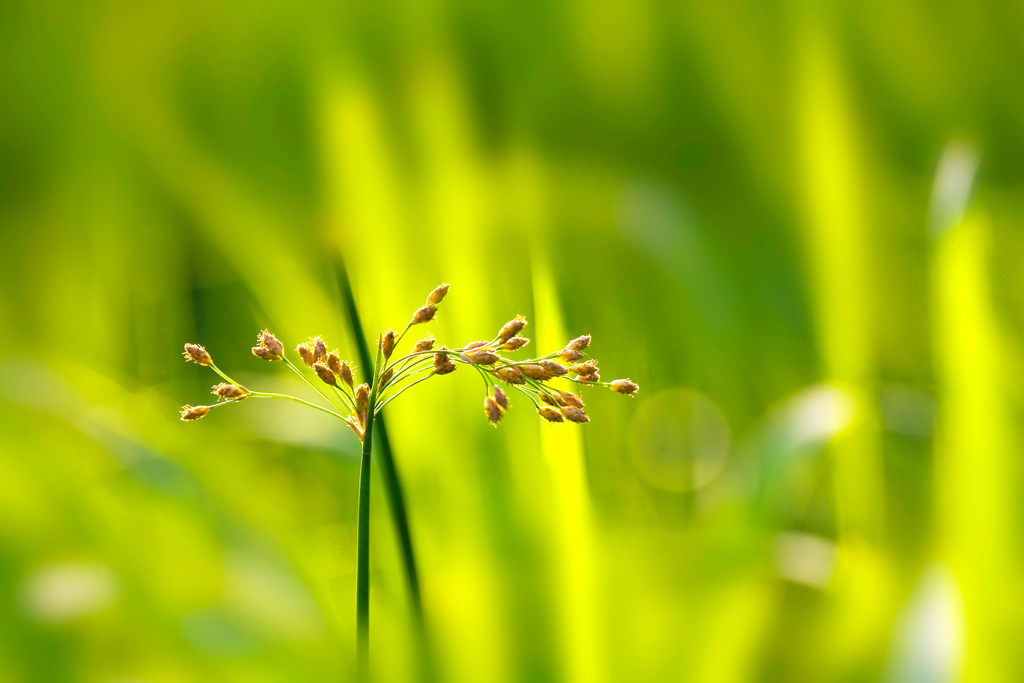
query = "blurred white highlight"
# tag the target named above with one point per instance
(928, 640)
(59, 593)
(805, 558)
(952, 188)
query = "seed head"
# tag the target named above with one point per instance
(264, 353)
(570, 399)
(334, 362)
(228, 392)
(482, 356)
(570, 355)
(474, 345)
(442, 364)
(515, 343)
(425, 344)
(438, 294)
(537, 372)
(319, 349)
(424, 314)
(574, 414)
(579, 343)
(387, 344)
(189, 413)
(324, 373)
(511, 329)
(362, 400)
(501, 398)
(592, 378)
(625, 386)
(550, 414)
(556, 369)
(548, 400)
(274, 349)
(493, 410)
(588, 368)
(306, 353)
(197, 354)
(511, 374)
(346, 373)
(386, 377)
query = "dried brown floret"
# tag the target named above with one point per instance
(592, 378)
(556, 369)
(550, 414)
(387, 344)
(574, 414)
(189, 413)
(511, 329)
(537, 372)
(493, 410)
(228, 392)
(325, 373)
(386, 377)
(625, 386)
(346, 372)
(501, 398)
(474, 345)
(579, 343)
(570, 355)
(548, 399)
(424, 314)
(264, 353)
(438, 294)
(425, 344)
(482, 356)
(274, 348)
(588, 368)
(197, 354)
(306, 353)
(362, 401)
(319, 349)
(570, 399)
(442, 364)
(511, 374)
(515, 343)
(334, 362)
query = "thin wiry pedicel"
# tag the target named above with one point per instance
(531, 377)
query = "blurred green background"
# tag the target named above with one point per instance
(796, 224)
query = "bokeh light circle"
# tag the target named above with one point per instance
(679, 440)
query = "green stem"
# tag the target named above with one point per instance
(363, 548)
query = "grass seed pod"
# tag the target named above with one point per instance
(501, 398)
(346, 373)
(511, 374)
(387, 344)
(511, 329)
(189, 413)
(574, 414)
(437, 295)
(229, 392)
(194, 353)
(537, 372)
(550, 414)
(325, 373)
(334, 362)
(515, 343)
(424, 314)
(579, 343)
(625, 386)
(492, 410)
(306, 353)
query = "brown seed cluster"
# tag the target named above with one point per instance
(392, 376)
